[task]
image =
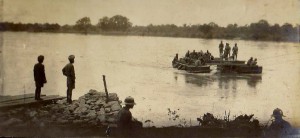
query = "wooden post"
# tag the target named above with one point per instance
(24, 94)
(105, 88)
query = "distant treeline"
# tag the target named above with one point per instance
(120, 25)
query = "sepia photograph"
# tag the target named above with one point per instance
(150, 68)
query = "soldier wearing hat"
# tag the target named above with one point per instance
(126, 123)
(125, 119)
(69, 72)
(279, 126)
(227, 51)
(221, 47)
(39, 76)
(235, 50)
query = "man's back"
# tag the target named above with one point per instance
(235, 49)
(228, 48)
(249, 62)
(124, 118)
(69, 71)
(39, 73)
(280, 127)
(221, 45)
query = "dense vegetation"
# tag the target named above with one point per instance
(120, 25)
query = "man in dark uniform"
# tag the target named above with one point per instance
(279, 127)
(221, 47)
(69, 71)
(125, 120)
(39, 77)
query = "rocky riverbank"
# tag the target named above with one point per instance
(91, 114)
(90, 109)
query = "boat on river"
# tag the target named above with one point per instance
(240, 68)
(225, 66)
(191, 68)
(236, 66)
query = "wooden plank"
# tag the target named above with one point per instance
(20, 99)
(30, 101)
(198, 69)
(218, 62)
(27, 100)
(17, 97)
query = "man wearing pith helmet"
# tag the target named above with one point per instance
(125, 119)
(69, 72)
(279, 127)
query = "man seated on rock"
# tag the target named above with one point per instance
(279, 127)
(125, 119)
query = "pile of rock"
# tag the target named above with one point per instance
(90, 108)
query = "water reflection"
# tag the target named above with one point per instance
(225, 81)
(233, 78)
(144, 64)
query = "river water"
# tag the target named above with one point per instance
(141, 67)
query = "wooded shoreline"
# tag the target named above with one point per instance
(120, 25)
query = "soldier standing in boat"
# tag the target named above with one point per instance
(69, 72)
(221, 47)
(235, 50)
(227, 51)
(39, 77)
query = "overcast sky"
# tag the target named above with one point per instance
(144, 12)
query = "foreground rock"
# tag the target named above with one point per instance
(241, 121)
(90, 109)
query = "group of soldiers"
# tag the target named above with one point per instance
(252, 62)
(194, 58)
(40, 77)
(125, 120)
(225, 52)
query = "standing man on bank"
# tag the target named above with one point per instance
(69, 71)
(39, 77)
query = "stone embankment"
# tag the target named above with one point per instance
(90, 109)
